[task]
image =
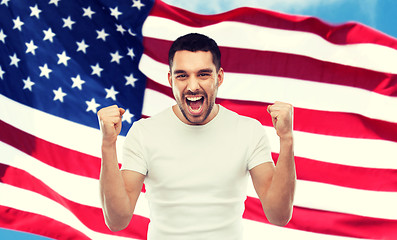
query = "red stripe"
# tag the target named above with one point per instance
(54, 155)
(331, 223)
(307, 120)
(37, 224)
(289, 66)
(349, 33)
(92, 217)
(303, 219)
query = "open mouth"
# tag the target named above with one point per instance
(195, 104)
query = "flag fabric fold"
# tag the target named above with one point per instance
(61, 61)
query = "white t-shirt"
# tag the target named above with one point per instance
(196, 175)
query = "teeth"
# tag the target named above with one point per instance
(193, 99)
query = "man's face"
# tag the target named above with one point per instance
(195, 81)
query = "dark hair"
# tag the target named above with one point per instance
(194, 42)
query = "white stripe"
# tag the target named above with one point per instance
(256, 230)
(327, 197)
(32, 202)
(40, 205)
(339, 150)
(308, 194)
(242, 35)
(300, 93)
(79, 189)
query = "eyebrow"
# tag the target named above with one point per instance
(205, 70)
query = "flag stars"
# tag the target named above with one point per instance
(92, 105)
(35, 11)
(18, 24)
(77, 82)
(55, 2)
(111, 93)
(59, 94)
(131, 53)
(63, 58)
(68, 22)
(2, 36)
(27, 84)
(82, 46)
(14, 60)
(115, 12)
(130, 80)
(49, 35)
(116, 57)
(127, 116)
(31, 48)
(102, 34)
(137, 4)
(96, 70)
(1, 73)
(45, 71)
(120, 29)
(88, 12)
(5, 2)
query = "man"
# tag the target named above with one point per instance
(195, 157)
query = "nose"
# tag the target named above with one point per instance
(193, 84)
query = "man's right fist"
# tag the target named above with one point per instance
(110, 123)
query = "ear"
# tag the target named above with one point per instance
(220, 76)
(170, 78)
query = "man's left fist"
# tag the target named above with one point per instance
(282, 117)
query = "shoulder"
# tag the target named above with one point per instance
(240, 120)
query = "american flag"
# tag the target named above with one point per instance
(62, 60)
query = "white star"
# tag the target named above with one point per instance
(102, 34)
(116, 57)
(115, 12)
(120, 29)
(31, 48)
(35, 11)
(88, 12)
(92, 105)
(63, 58)
(127, 116)
(77, 82)
(111, 93)
(68, 22)
(5, 2)
(18, 24)
(55, 2)
(131, 33)
(82, 46)
(2, 36)
(48, 35)
(14, 60)
(138, 4)
(28, 84)
(45, 71)
(130, 80)
(59, 94)
(96, 70)
(1, 73)
(131, 53)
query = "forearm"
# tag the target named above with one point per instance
(280, 197)
(115, 202)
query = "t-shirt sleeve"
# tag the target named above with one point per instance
(261, 152)
(133, 153)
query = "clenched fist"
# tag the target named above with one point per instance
(110, 123)
(282, 117)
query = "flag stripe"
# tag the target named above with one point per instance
(318, 96)
(327, 222)
(348, 33)
(65, 185)
(333, 123)
(244, 36)
(289, 66)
